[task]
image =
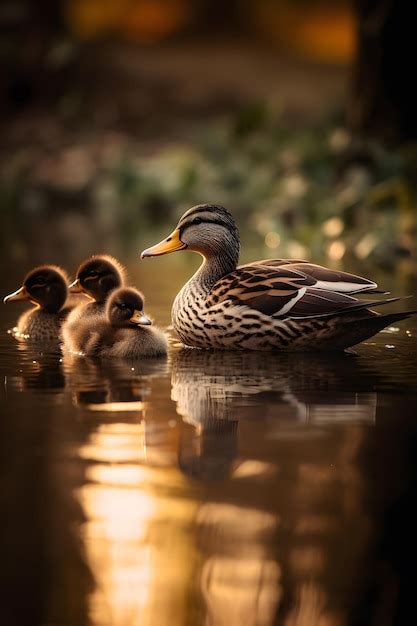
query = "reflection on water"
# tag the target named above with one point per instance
(239, 584)
(210, 488)
(134, 534)
(214, 391)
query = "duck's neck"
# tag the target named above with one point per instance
(213, 268)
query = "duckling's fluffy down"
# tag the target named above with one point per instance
(132, 343)
(100, 339)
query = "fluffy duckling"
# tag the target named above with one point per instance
(46, 287)
(96, 278)
(125, 332)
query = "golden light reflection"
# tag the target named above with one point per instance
(132, 533)
(116, 407)
(116, 443)
(240, 582)
(117, 513)
(240, 592)
(120, 559)
(123, 475)
(253, 467)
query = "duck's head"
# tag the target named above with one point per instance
(46, 286)
(124, 308)
(97, 277)
(206, 228)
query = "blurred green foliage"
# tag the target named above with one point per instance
(303, 192)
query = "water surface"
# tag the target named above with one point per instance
(236, 489)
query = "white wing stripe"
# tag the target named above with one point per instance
(287, 307)
(344, 287)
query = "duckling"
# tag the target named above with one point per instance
(277, 304)
(46, 287)
(124, 332)
(96, 278)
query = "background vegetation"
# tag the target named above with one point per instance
(117, 116)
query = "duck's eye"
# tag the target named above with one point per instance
(197, 220)
(40, 282)
(123, 306)
(93, 274)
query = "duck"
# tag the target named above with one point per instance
(277, 304)
(124, 332)
(46, 287)
(96, 278)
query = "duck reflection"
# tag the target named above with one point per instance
(226, 385)
(209, 451)
(215, 391)
(111, 385)
(36, 370)
(268, 558)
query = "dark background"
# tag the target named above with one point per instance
(299, 115)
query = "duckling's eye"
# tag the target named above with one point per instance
(197, 220)
(93, 274)
(123, 306)
(40, 282)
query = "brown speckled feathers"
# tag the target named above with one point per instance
(283, 293)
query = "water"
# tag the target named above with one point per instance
(211, 489)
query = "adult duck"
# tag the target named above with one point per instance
(271, 304)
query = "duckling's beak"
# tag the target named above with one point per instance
(75, 287)
(20, 294)
(139, 317)
(170, 244)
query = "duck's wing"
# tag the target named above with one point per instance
(325, 278)
(283, 293)
(274, 262)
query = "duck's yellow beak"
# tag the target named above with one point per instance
(75, 287)
(139, 317)
(170, 244)
(20, 294)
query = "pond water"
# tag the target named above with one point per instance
(236, 489)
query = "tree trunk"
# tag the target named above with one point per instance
(383, 101)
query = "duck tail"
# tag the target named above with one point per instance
(366, 328)
(357, 330)
(389, 318)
